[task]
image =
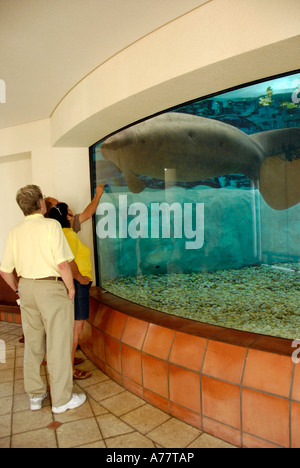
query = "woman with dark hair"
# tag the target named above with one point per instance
(82, 274)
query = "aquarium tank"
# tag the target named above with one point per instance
(201, 212)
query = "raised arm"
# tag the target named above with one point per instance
(92, 207)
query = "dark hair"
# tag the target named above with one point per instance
(60, 213)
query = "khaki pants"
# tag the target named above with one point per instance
(48, 323)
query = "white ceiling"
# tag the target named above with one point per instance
(48, 46)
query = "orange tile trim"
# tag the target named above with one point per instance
(10, 313)
(224, 382)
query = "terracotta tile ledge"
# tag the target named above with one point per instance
(241, 387)
(10, 312)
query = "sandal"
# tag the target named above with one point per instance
(81, 375)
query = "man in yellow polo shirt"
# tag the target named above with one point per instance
(37, 249)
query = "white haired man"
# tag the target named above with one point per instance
(39, 252)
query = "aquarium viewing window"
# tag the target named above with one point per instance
(201, 213)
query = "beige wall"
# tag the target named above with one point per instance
(26, 156)
(222, 44)
(15, 171)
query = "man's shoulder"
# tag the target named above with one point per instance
(51, 224)
(39, 224)
(50, 221)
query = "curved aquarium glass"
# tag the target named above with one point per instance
(201, 213)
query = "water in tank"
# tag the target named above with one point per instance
(201, 213)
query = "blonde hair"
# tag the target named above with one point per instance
(29, 199)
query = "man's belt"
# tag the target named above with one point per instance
(50, 278)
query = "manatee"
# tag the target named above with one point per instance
(200, 148)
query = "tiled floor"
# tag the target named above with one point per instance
(111, 417)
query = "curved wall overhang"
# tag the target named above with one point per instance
(208, 50)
